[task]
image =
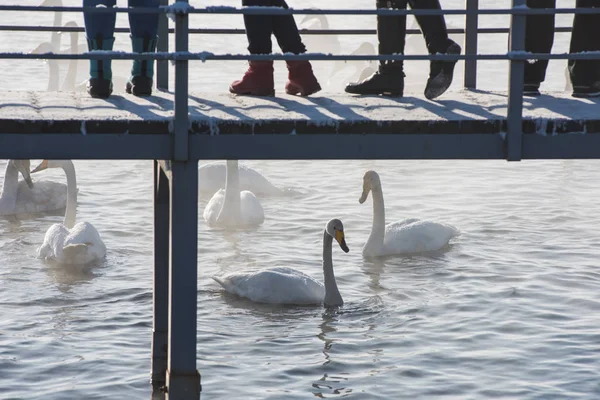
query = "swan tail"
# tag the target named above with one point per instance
(75, 251)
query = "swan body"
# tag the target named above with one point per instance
(405, 237)
(45, 196)
(231, 207)
(211, 178)
(361, 70)
(285, 285)
(70, 243)
(14, 190)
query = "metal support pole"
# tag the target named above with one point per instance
(160, 325)
(162, 67)
(183, 380)
(181, 124)
(471, 26)
(515, 89)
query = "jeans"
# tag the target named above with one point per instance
(539, 38)
(104, 24)
(260, 27)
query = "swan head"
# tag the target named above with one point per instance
(45, 164)
(23, 167)
(371, 181)
(335, 229)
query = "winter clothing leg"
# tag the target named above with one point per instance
(585, 74)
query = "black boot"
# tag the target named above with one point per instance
(391, 32)
(140, 82)
(100, 83)
(441, 73)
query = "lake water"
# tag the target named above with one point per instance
(509, 310)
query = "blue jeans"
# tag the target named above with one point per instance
(104, 24)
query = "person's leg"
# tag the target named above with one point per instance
(391, 34)
(436, 37)
(301, 79)
(585, 74)
(539, 37)
(99, 31)
(258, 79)
(144, 30)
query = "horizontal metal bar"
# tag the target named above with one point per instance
(206, 56)
(232, 31)
(290, 11)
(98, 146)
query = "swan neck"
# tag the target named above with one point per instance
(71, 76)
(332, 294)
(71, 210)
(231, 201)
(8, 197)
(378, 227)
(54, 75)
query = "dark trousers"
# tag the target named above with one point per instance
(391, 30)
(104, 24)
(259, 29)
(539, 37)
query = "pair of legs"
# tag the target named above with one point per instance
(99, 29)
(539, 38)
(258, 80)
(391, 34)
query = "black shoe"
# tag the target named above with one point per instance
(440, 74)
(139, 86)
(592, 90)
(384, 83)
(99, 88)
(531, 89)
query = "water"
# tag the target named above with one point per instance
(508, 310)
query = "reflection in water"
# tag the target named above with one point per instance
(373, 268)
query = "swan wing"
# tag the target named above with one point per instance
(211, 178)
(45, 196)
(213, 208)
(416, 236)
(51, 248)
(275, 285)
(252, 211)
(83, 245)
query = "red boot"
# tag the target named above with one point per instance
(301, 81)
(257, 81)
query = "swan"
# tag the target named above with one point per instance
(211, 178)
(54, 36)
(231, 207)
(284, 285)
(409, 236)
(70, 243)
(362, 69)
(12, 187)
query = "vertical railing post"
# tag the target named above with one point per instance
(160, 299)
(162, 66)
(183, 380)
(470, 41)
(515, 89)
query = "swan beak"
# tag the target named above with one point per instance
(339, 237)
(28, 180)
(364, 195)
(43, 165)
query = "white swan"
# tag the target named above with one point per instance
(231, 207)
(11, 187)
(289, 286)
(409, 236)
(70, 243)
(361, 69)
(211, 178)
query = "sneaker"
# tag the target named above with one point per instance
(441, 73)
(592, 90)
(384, 83)
(99, 88)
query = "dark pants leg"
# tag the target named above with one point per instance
(259, 29)
(433, 26)
(99, 25)
(144, 24)
(539, 37)
(391, 34)
(585, 37)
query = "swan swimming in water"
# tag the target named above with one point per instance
(231, 207)
(285, 285)
(211, 178)
(409, 236)
(70, 243)
(12, 188)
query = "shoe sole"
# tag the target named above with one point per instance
(586, 95)
(269, 93)
(444, 79)
(295, 91)
(376, 93)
